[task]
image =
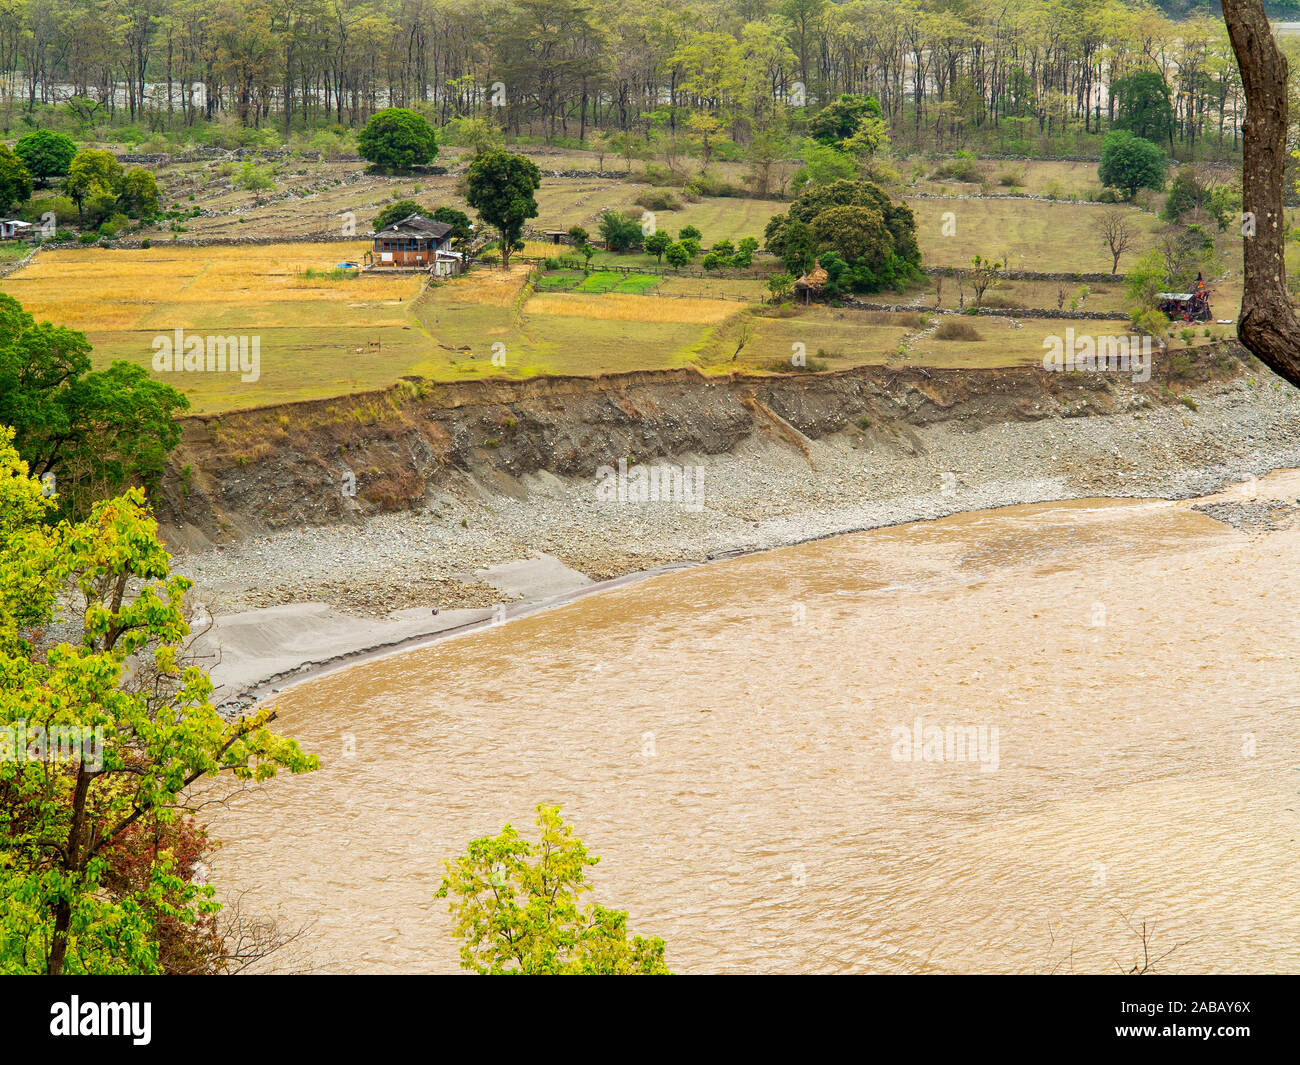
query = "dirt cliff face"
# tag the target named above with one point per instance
(327, 461)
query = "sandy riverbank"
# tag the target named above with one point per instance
(294, 602)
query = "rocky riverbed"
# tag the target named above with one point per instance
(767, 491)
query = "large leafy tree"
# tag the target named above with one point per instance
(1130, 162)
(47, 153)
(841, 119)
(1143, 105)
(501, 187)
(140, 726)
(96, 430)
(138, 193)
(858, 223)
(397, 139)
(92, 173)
(515, 907)
(15, 179)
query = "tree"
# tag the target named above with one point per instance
(397, 139)
(657, 243)
(1143, 282)
(620, 232)
(46, 154)
(458, 220)
(136, 729)
(97, 431)
(501, 187)
(677, 256)
(781, 286)
(138, 196)
(515, 907)
(1143, 106)
(1129, 163)
(15, 179)
(1119, 233)
(1268, 325)
(841, 119)
(855, 234)
(255, 179)
(984, 275)
(92, 173)
(395, 212)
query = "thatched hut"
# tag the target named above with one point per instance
(811, 284)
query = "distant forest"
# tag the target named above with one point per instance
(729, 75)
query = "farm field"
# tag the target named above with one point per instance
(322, 337)
(309, 330)
(1046, 236)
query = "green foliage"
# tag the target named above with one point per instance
(500, 188)
(690, 233)
(138, 194)
(395, 212)
(824, 164)
(119, 678)
(1144, 280)
(458, 220)
(657, 243)
(841, 119)
(46, 153)
(620, 232)
(253, 178)
(93, 175)
(515, 908)
(872, 237)
(15, 179)
(1129, 163)
(1143, 105)
(397, 139)
(97, 431)
(677, 255)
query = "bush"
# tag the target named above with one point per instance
(620, 232)
(955, 330)
(962, 167)
(658, 200)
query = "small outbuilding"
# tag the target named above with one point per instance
(14, 229)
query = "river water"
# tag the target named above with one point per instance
(727, 739)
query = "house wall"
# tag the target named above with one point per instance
(404, 251)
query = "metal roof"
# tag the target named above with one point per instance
(416, 225)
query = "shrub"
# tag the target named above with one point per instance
(955, 330)
(658, 200)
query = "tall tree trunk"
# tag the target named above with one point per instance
(1268, 326)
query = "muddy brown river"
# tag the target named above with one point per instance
(1001, 741)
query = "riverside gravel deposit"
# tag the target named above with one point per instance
(479, 540)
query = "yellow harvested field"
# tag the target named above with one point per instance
(624, 307)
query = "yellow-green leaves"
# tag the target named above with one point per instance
(514, 906)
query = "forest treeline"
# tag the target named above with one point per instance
(731, 70)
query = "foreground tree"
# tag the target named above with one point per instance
(514, 906)
(138, 730)
(501, 187)
(1268, 327)
(95, 430)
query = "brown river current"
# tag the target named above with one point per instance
(727, 739)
